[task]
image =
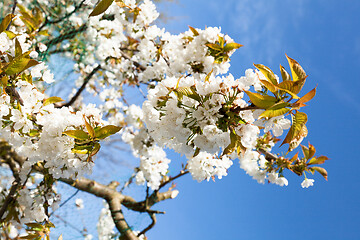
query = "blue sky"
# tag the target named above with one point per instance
(323, 36)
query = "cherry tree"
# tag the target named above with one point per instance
(193, 106)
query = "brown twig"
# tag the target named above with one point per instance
(182, 173)
(12, 12)
(135, 63)
(251, 107)
(13, 8)
(109, 193)
(128, 182)
(268, 155)
(71, 225)
(152, 224)
(67, 200)
(7, 156)
(47, 21)
(9, 198)
(78, 93)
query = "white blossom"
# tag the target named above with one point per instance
(307, 183)
(79, 203)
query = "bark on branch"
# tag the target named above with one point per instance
(268, 155)
(7, 157)
(114, 198)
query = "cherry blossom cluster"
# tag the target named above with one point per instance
(26, 127)
(197, 116)
(135, 52)
(153, 161)
(193, 106)
(34, 127)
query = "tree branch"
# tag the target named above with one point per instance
(250, 107)
(13, 8)
(135, 63)
(78, 93)
(9, 198)
(182, 173)
(47, 21)
(66, 35)
(7, 157)
(67, 200)
(71, 225)
(119, 219)
(152, 224)
(109, 193)
(268, 155)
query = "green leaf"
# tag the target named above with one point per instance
(52, 100)
(86, 147)
(298, 85)
(106, 131)
(5, 22)
(101, 7)
(77, 134)
(10, 34)
(11, 58)
(270, 76)
(80, 151)
(235, 144)
(34, 133)
(297, 71)
(295, 142)
(38, 16)
(297, 130)
(261, 101)
(188, 92)
(300, 118)
(272, 88)
(26, 77)
(197, 151)
(284, 74)
(50, 225)
(17, 65)
(80, 148)
(95, 150)
(89, 128)
(318, 160)
(31, 63)
(231, 46)
(194, 31)
(214, 46)
(221, 41)
(34, 225)
(28, 19)
(289, 87)
(44, 33)
(18, 50)
(277, 109)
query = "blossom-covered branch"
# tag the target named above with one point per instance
(193, 106)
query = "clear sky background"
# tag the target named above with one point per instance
(324, 37)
